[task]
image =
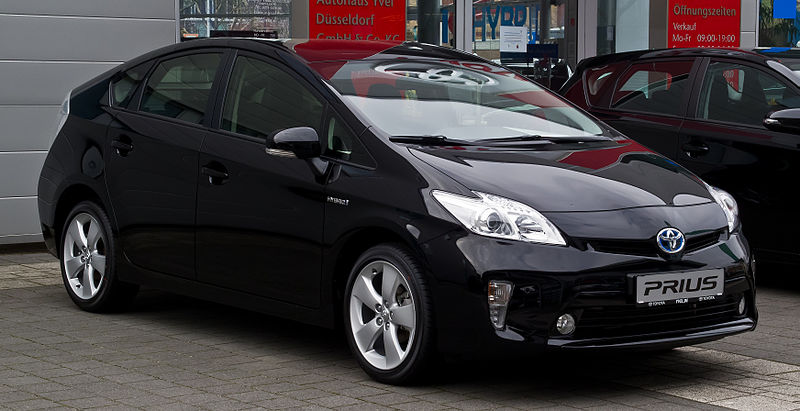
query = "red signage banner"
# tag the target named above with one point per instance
(704, 23)
(357, 19)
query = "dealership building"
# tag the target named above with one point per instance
(53, 46)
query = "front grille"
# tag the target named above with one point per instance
(618, 321)
(648, 248)
(702, 241)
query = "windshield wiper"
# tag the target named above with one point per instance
(430, 140)
(532, 137)
(551, 140)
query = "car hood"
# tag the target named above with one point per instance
(596, 176)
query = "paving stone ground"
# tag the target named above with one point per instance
(170, 352)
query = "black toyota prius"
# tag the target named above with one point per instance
(426, 200)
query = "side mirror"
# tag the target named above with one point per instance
(300, 142)
(784, 120)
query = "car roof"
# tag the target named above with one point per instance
(750, 55)
(779, 52)
(319, 50)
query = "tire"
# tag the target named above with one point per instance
(405, 324)
(88, 255)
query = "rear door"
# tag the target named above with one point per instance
(649, 102)
(727, 144)
(153, 160)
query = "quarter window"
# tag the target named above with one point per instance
(262, 99)
(341, 144)
(599, 82)
(180, 88)
(656, 87)
(124, 87)
(741, 94)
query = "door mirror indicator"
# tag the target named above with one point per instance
(299, 142)
(784, 120)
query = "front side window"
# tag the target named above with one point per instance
(262, 99)
(656, 87)
(736, 93)
(458, 100)
(180, 88)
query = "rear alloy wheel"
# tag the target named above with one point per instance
(387, 314)
(87, 261)
(84, 256)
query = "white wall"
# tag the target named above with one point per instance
(49, 47)
(633, 20)
(749, 29)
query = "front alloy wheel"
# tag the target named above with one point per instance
(387, 314)
(382, 318)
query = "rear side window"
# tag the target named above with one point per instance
(656, 87)
(124, 87)
(180, 88)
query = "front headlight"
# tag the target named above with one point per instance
(499, 217)
(728, 205)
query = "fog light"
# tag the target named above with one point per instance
(499, 296)
(742, 306)
(565, 324)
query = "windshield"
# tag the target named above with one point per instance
(458, 100)
(791, 64)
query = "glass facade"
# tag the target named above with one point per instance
(542, 39)
(429, 21)
(267, 18)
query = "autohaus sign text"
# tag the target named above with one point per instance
(357, 19)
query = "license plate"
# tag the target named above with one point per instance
(679, 288)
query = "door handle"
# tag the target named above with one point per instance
(215, 175)
(695, 149)
(122, 147)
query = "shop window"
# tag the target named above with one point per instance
(262, 99)
(741, 94)
(180, 88)
(656, 88)
(778, 32)
(549, 29)
(271, 19)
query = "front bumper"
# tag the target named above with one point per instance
(663, 340)
(595, 287)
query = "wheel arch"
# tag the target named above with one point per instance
(347, 250)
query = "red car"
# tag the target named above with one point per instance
(730, 116)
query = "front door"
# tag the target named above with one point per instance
(152, 164)
(728, 146)
(260, 216)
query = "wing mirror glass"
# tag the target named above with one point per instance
(784, 120)
(300, 142)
